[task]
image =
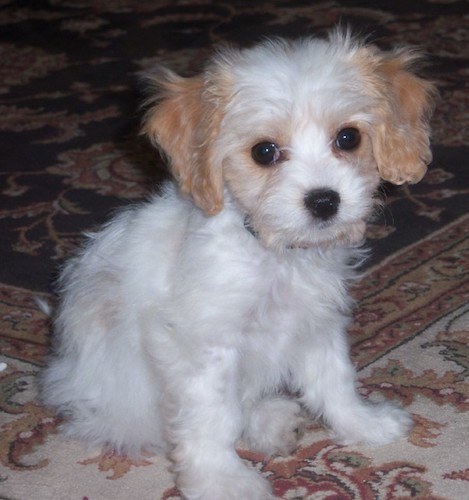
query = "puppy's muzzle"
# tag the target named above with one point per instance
(322, 203)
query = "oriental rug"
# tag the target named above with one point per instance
(71, 154)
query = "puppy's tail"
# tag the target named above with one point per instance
(44, 306)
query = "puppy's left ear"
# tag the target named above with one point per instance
(401, 141)
(183, 123)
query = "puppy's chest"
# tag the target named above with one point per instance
(281, 299)
(294, 295)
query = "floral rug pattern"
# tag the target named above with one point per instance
(71, 154)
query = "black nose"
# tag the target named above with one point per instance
(322, 203)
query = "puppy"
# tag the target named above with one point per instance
(185, 321)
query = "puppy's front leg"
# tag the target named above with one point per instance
(329, 391)
(204, 419)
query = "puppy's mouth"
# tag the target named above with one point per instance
(336, 236)
(327, 235)
(347, 235)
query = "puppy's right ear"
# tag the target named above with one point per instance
(183, 123)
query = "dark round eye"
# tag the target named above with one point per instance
(348, 139)
(265, 153)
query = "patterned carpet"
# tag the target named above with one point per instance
(71, 154)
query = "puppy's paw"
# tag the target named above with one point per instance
(237, 484)
(275, 426)
(374, 424)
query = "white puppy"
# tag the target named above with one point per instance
(185, 322)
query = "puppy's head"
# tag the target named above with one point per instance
(296, 134)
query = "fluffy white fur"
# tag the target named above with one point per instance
(185, 322)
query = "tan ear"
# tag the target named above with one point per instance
(184, 125)
(401, 142)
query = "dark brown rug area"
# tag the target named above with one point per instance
(71, 154)
(69, 108)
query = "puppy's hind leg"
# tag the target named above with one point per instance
(204, 420)
(274, 426)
